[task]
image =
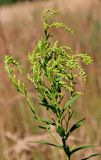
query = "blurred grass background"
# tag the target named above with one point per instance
(20, 29)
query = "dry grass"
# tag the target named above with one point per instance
(20, 28)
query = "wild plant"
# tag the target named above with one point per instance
(54, 73)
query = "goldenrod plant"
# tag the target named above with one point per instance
(54, 68)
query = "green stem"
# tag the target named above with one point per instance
(38, 118)
(66, 148)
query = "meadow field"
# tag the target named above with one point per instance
(21, 26)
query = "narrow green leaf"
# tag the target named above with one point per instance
(93, 155)
(70, 102)
(79, 148)
(43, 127)
(48, 143)
(75, 126)
(48, 121)
(61, 131)
(49, 107)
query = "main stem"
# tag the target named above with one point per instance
(66, 148)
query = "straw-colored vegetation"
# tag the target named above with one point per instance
(17, 38)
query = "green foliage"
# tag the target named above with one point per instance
(53, 68)
(3, 2)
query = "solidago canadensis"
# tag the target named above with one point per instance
(54, 68)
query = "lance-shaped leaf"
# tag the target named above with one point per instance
(53, 108)
(93, 155)
(71, 102)
(48, 143)
(44, 127)
(48, 121)
(61, 131)
(75, 126)
(79, 148)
